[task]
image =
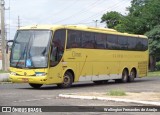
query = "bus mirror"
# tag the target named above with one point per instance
(8, 45)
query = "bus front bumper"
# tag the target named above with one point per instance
(28, 79)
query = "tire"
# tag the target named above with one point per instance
(101, 82)
(36, 86)
(124, 77)
(67, 81)
(132, 75)
(118, 80)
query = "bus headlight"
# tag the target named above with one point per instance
(40, 74)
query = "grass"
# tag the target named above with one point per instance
(157, 72)
(154, 74)
(116, 93)
(3, 71)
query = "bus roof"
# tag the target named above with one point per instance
(80, 27)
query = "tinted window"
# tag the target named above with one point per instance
(88, 40)
(132, 43)
(59, 38)
(145, 44)
(100, 41)
(139, 45)
(112, 42)
(74, 39)
(82, 39)
(122, 42)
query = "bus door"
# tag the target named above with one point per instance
(56, 54)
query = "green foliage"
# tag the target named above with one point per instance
(142, 17)
(154, 40)
(151, 13)
(112, 19)
(1, 71)
(154, 74)
(116, 93)
(136, 21)
(136, 8)
(158, 66)
(131, 25)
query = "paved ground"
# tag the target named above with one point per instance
(24, 95)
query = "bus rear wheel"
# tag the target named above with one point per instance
(124, 77)
(67, 80)
(132, 75)
(36, 86)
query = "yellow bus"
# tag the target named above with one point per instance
(64, 54)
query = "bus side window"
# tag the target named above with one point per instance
(88, 40)
(145, 44)
(123, 42)
(100, 41)
(131, 43)
(139, 45)
(74, 39)
(112, 42)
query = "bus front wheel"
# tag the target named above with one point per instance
(36, 86)
(67, 80)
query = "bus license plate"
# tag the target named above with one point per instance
(25, 80)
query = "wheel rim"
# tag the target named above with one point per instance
(133, 74)
(67, 80)
(125, 76)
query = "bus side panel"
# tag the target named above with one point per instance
(55, 74)
(142, 67)
(106, 71)
(85, 71)
(70, 65)
(99, 71)
(72, 59)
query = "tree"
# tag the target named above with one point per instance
(143, 14)
(151, 13)
(147, 17)
(135, 22)
(136, 8)
(112, 19)
(154, 45)
(143, 17)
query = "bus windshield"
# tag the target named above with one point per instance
(30, 49)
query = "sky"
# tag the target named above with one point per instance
(59, 12)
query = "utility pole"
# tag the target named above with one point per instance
(19, 22)
(95, 22)
(4, 57)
